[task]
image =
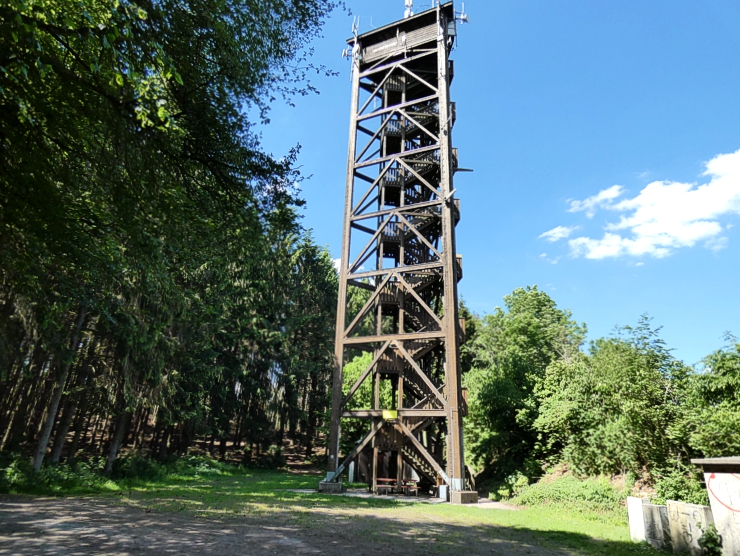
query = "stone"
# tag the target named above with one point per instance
(657, 528)
(330, 487)
(724, 499)
(464, 497)
(688, 523)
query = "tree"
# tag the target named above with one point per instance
(133, 191)
(608, 412)
(713, 416)
(513, 348)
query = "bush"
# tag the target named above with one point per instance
(681, 484)
(18, 476)
(594, 495)
(136, 466)
(510, 487)
(711, 541)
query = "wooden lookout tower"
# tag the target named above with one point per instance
(399, 266)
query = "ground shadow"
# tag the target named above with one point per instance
(71, 526)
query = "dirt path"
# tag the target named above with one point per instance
(82, 526)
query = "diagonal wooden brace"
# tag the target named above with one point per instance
(364, 375)
(375, 429)
(423, 451)
(421, 373)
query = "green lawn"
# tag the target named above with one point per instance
(238, 492)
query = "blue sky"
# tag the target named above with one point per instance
(605, 139)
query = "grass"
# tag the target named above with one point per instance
(207, 489)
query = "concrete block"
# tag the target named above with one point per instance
(657, 528)
(464, 497)
(636, 518)
(687, 524)
(724, 499)
(442, 492)
(329, 487)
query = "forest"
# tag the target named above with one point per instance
(159, 295)
(156, 285)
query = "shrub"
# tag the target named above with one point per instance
(681, 484)
(592, 495)
(136, 466)
(711, 541)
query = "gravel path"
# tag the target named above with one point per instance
(80, 526)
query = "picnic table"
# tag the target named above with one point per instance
(385, 486)
(410, 487)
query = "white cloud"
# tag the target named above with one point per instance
(717, 243)
(602, 199)
(544, 256)
(337, 264)
(558, 233)
(665, 215)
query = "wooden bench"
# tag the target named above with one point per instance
(385, 488)
(408, 489)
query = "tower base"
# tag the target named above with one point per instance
(327, 487)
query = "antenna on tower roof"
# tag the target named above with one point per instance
(461, 16)
(409, 9)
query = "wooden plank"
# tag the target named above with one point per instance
(404, 209)
(394, 337)
(374, 70)
(423, 451)
(424, 182)
(390, 157)
(381, 111)
(417, 124)
(362, 228)
(424, 240)
(375, 136)
(402, 413)
(375, 92)
(365, 307)
(364, 375)
(421, 302)
(375, 429)
(421, 373)
(409, 269)
(333, 447)
(357, 261)
(419, 79)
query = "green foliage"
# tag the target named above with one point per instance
(19, 477)
(608, 412)
(712, 416)
(134, 191)
(682, 483)
(513, 348)
(353, 430)
(591, 495)
(711, 541)
(627, 407)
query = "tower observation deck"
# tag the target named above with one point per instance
(399, 267)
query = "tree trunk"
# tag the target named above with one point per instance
(38, 458)
(122, 422)
(163, 444)
(61, 435)
(80, 426)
